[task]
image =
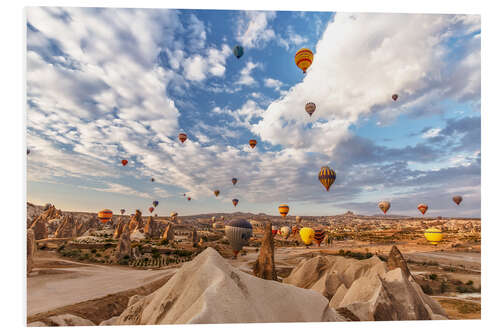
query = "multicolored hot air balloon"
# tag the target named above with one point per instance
(283, 209)
(238, 234)
(124, 162)
(285, 232)
(234, 181)
(182, 137)
(327, 177)
(105, 215)
(384, 206)
(394, 97)
(310, 108)
(274, 230)
(216, 192)
(303, 59)
(235, 202)
(155, 203)
(433, 235)
(252, 143)
(307, 235)
(319, 235)
(238, 51)
(422, 208)
(151, 209)
(122, 211)
(457, 199)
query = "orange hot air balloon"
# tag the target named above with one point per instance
(151, 209)
(319, 235)
(283, 209)
(303, 59)
(124, 162)
(310, 108)
(457, 199)
(327, 177)
(235, 202)
(252, 143)
(183, 137)
(394, 97)
(384, 206)
(422, 208)
(216, 192)
(105, 215)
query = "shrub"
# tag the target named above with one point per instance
(427, 289)
(433, 276)
(164, 242)
(60, 248)
(443, 287)
(470, 283)
(93, 251)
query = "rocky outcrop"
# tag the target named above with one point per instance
(264, 266)
(137, 235)
(210, 290)
(123, 249)
(67, 228)
(31, 248)
(136, 221)
(194, 237)
(68, 320)
(152, 228)
(119, 228)
(168, 234)
(39, 228)
(369, 289)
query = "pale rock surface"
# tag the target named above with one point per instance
(137, 235)
(109, 322)
(37, 324)
(210, 290)
(264, 267)
(123, 248)
(69, 320)
(31, 249)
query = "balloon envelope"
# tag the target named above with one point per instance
(155, 203)
(216, 192)
(252, 143)
(238, 234)
(422, 208)
(384, 206)
(105, 215)
(457, 199)
(327, 177)
(122, 211)
(319, 235)
(182, 137)
(238, 51)
(124, 162)
(234, 181)
(151, 209)
(433, 235)
(285, 232)
(274, 230)
(310, 108)
(235, 202)
(283, 209)
(394, 97)
(303, 59)
(307, 235)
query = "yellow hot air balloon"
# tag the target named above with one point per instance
(307, 235)
(327, 177)
(303, 59)
(433, 235)
(283, 209)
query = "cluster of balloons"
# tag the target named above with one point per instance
(385, 205)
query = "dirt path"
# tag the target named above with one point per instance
(50, 287)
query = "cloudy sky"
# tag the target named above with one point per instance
(110, 84)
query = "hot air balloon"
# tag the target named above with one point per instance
(173, 215)
(105, 215)
(274, 230)
(307, 235)
(310, 108)
(283, 209)
(384, 206)
(235, 202)
(152, 180)
(457, 199)
(189, 198)
(422, 208)
(151, 209)
(213, 219)
(216, 192)
(327, 177)
(295, 229)
(303, 59)
(122, 211)
(433, 235)
(182, 137)
(298, 219)
(124, 162)
(238, 51)
(252, 143)
(238, 234)
(319, 235)
(155, 203)
(222, 218)
(285, 232)
(234, 181)
(394, 97)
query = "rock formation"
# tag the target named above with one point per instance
(136, 221)
(31, 249)
(137, 235)
(168, 234)
(189, 297)
(368, 289)
(123, 248)
(39, 228)
(119, 228)
(264, 266)
(65, 319)
(194, 237)
(67, 228)
(152, 228)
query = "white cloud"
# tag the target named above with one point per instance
(253, 30)
(431, 133)
(273, 83)
(246, 78)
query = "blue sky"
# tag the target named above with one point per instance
(110, 84)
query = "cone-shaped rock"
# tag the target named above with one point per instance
(168, 234)
(264, 266)
(195, 237)
(152, 228)
(119, 228)
(123, 248)
(396, 260)
(136, 221)
(67, 228)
